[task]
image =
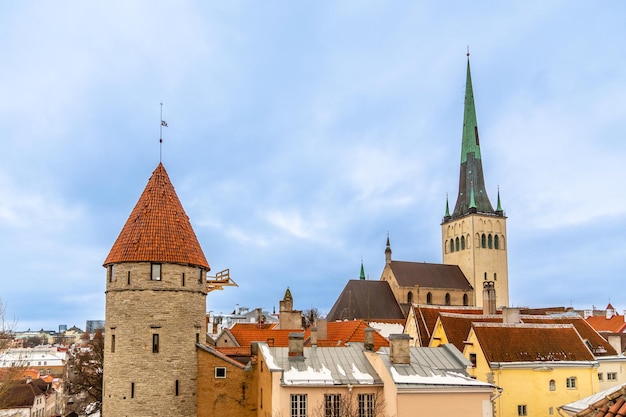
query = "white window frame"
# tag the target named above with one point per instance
(571, 383)
(298, 405)
(218, 370)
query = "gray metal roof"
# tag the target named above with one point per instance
(431, 368)
(323, 366)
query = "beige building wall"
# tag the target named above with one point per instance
(443, 401)
(479, 263)
(138, 381)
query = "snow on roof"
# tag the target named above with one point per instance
(269, 359)
(362, 377)
(443, 378)
(385, 329)
(321, 376)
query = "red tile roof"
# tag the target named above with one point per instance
(246, 334)
(531, 342)
(426, 317)
(341, 332)
(615, 324)
(458, 326)
(158, 229)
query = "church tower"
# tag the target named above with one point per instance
(155, 308)
(474, 235)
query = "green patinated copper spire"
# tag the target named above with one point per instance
(447, 207)
(362, 276)
(472, 194)
(499, 208)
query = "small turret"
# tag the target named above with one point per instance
(388, 251)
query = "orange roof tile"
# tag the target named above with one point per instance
(615, 324)
(245, 335)
(338, 333)
(158, 229)
(458, 326)
(427, 315)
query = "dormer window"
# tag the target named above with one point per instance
(155, 272)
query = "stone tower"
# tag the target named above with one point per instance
(474, 235)
(155, 308)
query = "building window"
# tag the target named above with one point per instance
(110, 273)
(155, 343)
(456, 244)
(611, 376)
(496, 242)
(132, 390)
(112, 343)
(409, 297)
(570, 383)
(366, 405)
(176, 387)
(552, 385)
(197, 337)
(200, 276)
(429, 298)
(451, 245)
(483, 241)
(551, 410)
(332, 405)
(521, 410)
(128, 278)
(220, 372)
(600, 376)
(465, 300)
(495, 276)
(462, 242)
(183, 279)
(490, 242)
(447, 299)
(156, 272)
(472, 358)
(298, 405)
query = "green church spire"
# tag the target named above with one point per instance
(447, 207)
(472, 194)
(362, 276)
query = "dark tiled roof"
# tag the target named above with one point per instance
(367, 300)
(531, 342)
(426, 317)
(22, 395)
(158, 229)
(608, 403)
(598, 345)
(410, 274)
(458, 326)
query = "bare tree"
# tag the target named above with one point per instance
(309, 316)
(9, 375)
(349, 404)
(88, 374)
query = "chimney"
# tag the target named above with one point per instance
(369, 339)
(510, 315)
(296, 346)
(399, 349)
(609, 313)
(313, 336)
(489, 297)
(322, 328)
(616, 342)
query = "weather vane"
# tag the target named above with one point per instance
(163, 124)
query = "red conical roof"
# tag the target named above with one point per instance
(158, 229)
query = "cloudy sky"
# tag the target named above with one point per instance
(300, 134)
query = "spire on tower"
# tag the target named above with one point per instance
(388, 251)
(471, 172)
(362, 276)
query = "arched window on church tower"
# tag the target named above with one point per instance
(429, 298)
(490, 241)
(456, 244)
(465, 300)
(462, 242)
(496, 242)
(451, 245)
(409, 298)
(447, 299)
(483, 241)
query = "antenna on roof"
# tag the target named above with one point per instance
(163, 123)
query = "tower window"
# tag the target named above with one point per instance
(132, 390)
(176, 386)
(462, 242)
(490, 242)
(456, 244)
(155, 343)
(451, 245)
(447, 299)
(409, 297)
(110, 273)
(496, 242)
(156, 272)
(495, 276)
(183, 279)
(429, 298)
(465, 300)
(112, 343)
(483, 241)
(128, 278)
(197, 337)
(200, 276)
